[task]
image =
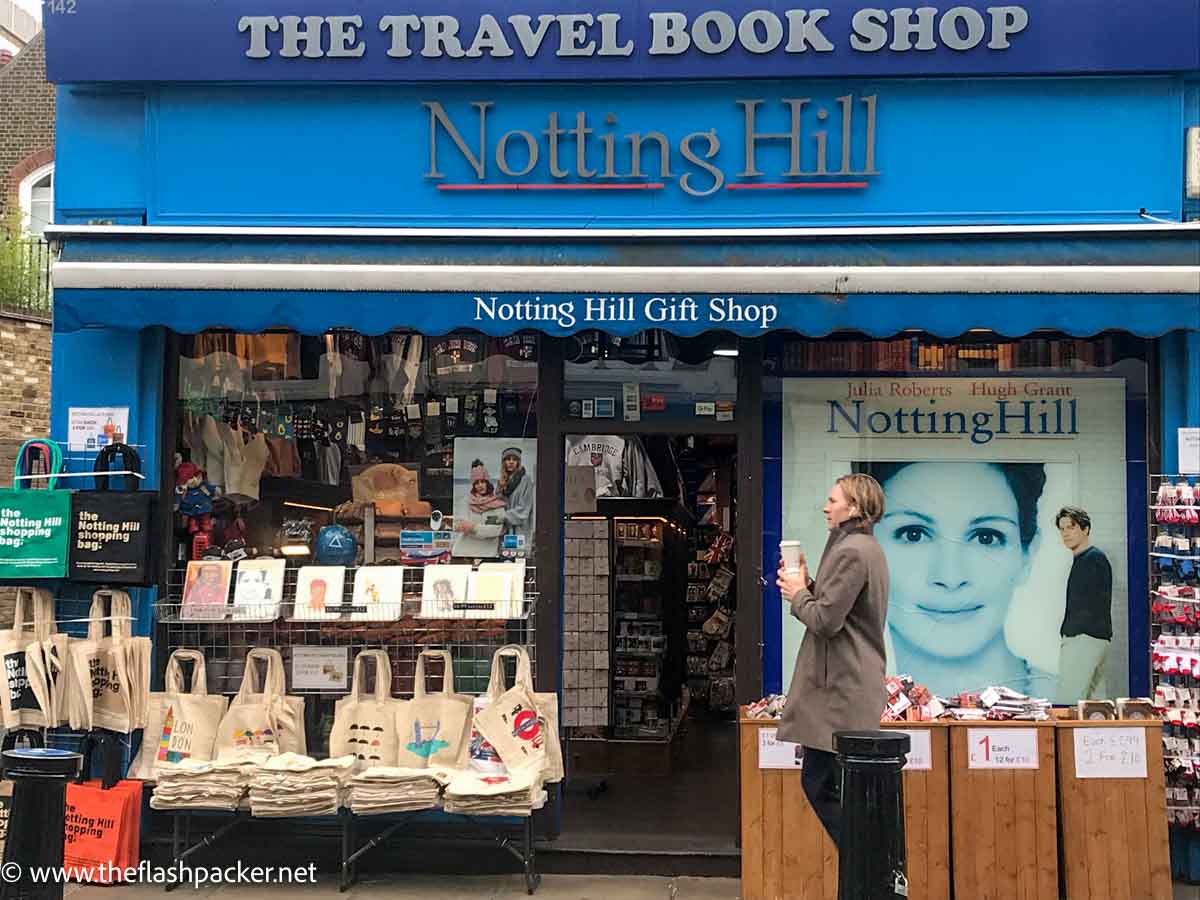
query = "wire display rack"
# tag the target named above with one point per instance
(471, 642)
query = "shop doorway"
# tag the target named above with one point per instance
(650, 614)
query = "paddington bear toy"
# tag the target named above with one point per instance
(194, 497)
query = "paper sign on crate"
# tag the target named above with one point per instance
(920, 752)
(1002, 748)
(776, 754)
(1110, 753)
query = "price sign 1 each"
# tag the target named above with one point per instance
(776, 754)
(920, 753)
(1110, 753)
(1002, 748)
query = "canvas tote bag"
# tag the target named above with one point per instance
(182, 720)
(33, 622)
(48, 663)
(365, 727)
(110, 672)
(433, 728)
(266, 719)
(519, 723)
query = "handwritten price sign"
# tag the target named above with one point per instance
(1002, 748)
(776, 754)
(1110, 753)
(920, 753)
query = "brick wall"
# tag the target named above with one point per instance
(26, 119)
(24, 388)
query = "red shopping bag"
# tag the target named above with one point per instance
(102, 832)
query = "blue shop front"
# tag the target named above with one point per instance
(588, 309)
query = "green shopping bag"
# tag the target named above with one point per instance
(35, 525)
(35, 532)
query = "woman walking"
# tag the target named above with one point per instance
(838, 681)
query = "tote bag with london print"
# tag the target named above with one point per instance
(182, 721)
(519, 723)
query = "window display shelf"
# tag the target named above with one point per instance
(226, 641)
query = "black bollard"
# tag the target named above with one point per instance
(872, 863)
(36, 820)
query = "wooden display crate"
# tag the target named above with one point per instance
(1004, 828)
(927, 815)
(1114, 829)
(785, 850)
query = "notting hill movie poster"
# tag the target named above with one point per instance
(988, 584)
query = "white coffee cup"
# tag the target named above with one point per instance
(789, 552)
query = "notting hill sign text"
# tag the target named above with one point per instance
(826, 146)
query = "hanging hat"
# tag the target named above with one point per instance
(479, 472)
(511, 451)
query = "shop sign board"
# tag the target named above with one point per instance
(1110, 752)
(35, 533)
(920, 752)
(776, 754)
(1002, 748)
(438, 40)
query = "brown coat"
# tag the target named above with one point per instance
(838, 681)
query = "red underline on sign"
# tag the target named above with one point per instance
(797, 185)
(572, 186)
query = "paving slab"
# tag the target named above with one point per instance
(439, 887)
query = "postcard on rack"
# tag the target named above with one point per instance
(319, 593)
(258, 590)
(378, 594)
(206, 590)
(444, 589)
(514, 606)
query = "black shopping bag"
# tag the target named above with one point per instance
(111, 530)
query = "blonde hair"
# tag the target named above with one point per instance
(865, 495)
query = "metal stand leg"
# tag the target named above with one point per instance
(349, 874)
(207, 841)
(533, 878)
(349, 860)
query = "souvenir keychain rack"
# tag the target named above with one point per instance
(1175, 630)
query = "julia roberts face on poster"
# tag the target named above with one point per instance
(952, 534)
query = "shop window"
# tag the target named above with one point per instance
(979, 444)
(404, 421)
(36, 197)
(651, 376)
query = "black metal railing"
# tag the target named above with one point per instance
(25, 277)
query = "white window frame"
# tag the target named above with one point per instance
(25, 194)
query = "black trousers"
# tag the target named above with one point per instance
(822, 781)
